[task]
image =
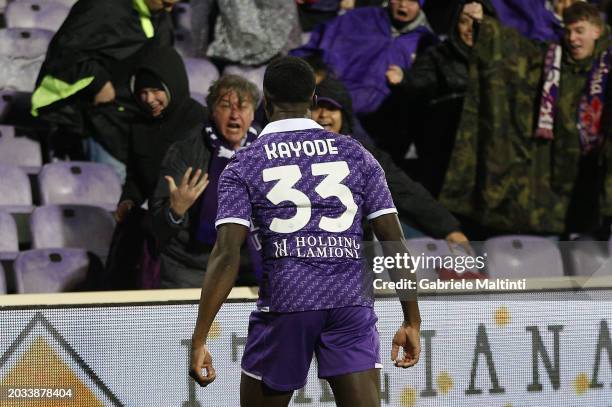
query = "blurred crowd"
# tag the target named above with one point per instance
(490, 117)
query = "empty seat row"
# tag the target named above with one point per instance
(517, 257)
(46, 14)
(55, 226)
(69, 182)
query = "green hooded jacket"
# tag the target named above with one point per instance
(499, 174)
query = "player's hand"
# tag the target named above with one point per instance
(190, 188)
(407, 338)
(123, 208)
(201, 360)
(394, 74)
(474, 10)
(105, 95)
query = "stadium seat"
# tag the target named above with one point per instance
(22, 52)
(15, 191)
(9, 242)
(20, 151)
(254, 75)
(183, 43)
(199, 97)
(182, 16)
(80, 226)
(78, 182)
(426, 246)
(2, 280)
(45, 14)
(519, 256)
(51, 270)
(7, 132)
(202, 73)
(587, 258)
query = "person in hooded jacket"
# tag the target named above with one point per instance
(415, 205)
(167, 114)
(82, 85)
(439, 79)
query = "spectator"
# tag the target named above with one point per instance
(360, 45)
(414, 204)
(515, 171)
(82, 85)
(252, 32)
(438, 79)
(160, 87)
(183, 223)
(168, 114)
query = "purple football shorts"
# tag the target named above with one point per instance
(280, 346)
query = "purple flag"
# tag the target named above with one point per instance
(529, 17)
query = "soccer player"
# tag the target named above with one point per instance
(307, 190)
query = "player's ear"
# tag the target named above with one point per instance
(313, 102)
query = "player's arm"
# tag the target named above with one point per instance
(388, 230)
(219, 279)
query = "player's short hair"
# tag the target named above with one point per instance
(244, 88)
(581, 11)
(289, 80)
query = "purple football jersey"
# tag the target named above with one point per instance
(307, 190)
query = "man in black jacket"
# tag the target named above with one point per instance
(82, 85)
(181, 216)
(414, 203)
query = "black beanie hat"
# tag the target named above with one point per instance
(334, 92)
(147, 79)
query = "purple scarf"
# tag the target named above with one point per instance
(221, 153)
(592, 104)
(550, 93)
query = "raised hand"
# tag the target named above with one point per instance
(186, 193)
(394, 74)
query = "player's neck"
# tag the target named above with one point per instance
(289, 114)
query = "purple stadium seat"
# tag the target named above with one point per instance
(6, 132)
(80, 226)
(9, 242)
(2, 281)
(183, 43)
(77, 182)
(428, 247)
(50, 270)
(182, 16)
(21, 151)
(519, 256)
(22, 52)
(45, 14)
(587, 258)
(22, 42)
(15, 192)
(254, 75)
(202, 73)
(201, 98)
